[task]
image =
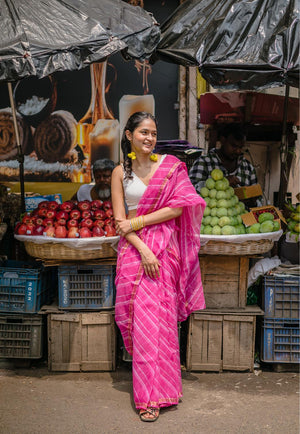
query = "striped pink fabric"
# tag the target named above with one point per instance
(147, 310)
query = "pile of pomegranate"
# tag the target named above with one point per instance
(69, 220)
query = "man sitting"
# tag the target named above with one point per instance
(102, 170)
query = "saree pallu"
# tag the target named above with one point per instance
(147, 310)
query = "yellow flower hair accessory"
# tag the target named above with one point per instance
(132, 155)
(153, 157)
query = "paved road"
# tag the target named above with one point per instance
(34, 401)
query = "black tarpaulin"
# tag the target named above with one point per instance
(242, 45)
(42, 37)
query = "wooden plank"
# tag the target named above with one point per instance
(104, 365)
(96, 318)
(243, 280)
(216, 300)
(221, 281)
(204, 342)
(220, 265)
(68, 367)
(69, 317)
(238, 342)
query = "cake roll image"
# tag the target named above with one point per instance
(8, 142)
(55, 137)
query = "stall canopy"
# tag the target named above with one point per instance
(42, 37)
(39, 38)
(241, 45)
(238, 45)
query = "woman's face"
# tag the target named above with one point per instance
(143, 138)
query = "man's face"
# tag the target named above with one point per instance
(232, 148)
(103, 182)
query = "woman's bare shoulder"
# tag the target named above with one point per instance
(118, 171)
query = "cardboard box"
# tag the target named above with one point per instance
(31, 202)
(251, 217)
(247, 192)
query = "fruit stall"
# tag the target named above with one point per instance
(66, 290)
(224, 336)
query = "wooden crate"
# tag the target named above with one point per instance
(81, 341)
(224, 280)
(220, 341)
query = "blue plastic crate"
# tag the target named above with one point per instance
(21, 336)
(25, 286)
(87, 287)
(280, 340)
(281, 296)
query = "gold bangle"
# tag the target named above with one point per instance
(137, 223)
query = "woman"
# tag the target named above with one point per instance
(158, 276)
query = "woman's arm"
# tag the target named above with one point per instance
(149, 260)
(159, 216)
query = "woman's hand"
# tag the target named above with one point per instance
(150, 263)
(123, 227)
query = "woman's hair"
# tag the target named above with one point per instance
(133, 122)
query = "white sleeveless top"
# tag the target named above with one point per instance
(134, 189)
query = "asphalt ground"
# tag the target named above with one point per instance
(34, 400)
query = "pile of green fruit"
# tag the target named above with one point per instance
(294, 220)
(222, 215)
(265, 224)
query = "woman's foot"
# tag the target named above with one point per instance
(149, 415)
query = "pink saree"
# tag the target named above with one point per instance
(147, 310)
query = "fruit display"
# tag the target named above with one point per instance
(69, 220)
(293, 221)
(265, 223)
(222, 215)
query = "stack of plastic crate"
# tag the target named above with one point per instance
(82, 335)
(24, 288)
(280, 328)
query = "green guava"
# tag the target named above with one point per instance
(207, 230)
(220, 185)
(216, 230)
(204, 191)
(228, 230)
(206, 220)
(214, 221)
(240, 229)
(213, 212)
(212, 193)
(221, 212)
(276, 226)
(210, 183)
(265, 216)
(212, 203)
(221, 195)
(206, 211)
(267, 226)
(223, 203)
(253, 229)
(217, 174)
(223, 221)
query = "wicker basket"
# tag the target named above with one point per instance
(246, 248)
(59, 251)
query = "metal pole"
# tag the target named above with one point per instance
(20, 156)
